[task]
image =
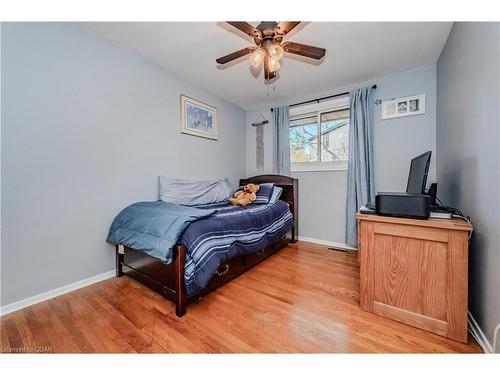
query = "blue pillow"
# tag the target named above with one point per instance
(264, 194)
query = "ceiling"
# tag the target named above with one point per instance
(355, 52)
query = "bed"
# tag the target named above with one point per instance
(192, 273)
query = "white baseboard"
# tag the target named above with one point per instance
(338, 245)
(478, 334)
(54, 293)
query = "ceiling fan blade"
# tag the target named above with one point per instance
(235, 55)
(284, 27)
(304, 50)
(246, 28)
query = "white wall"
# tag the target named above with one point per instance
(86, 128)
(468, 160)
(323, 195)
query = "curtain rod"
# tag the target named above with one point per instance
(323, 98)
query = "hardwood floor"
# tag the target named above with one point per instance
(305, 299)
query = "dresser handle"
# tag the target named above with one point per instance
(222, 273)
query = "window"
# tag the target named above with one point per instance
(334, 135)
(303, 139)
(325, 142)
(319, 140)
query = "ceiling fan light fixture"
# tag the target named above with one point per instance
(257, 57)
(274, 64)
(268, 48)
(275, 51)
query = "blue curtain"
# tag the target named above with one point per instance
(281, 132)
(360, 181)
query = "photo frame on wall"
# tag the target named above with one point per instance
(401, 107)
(198, 118)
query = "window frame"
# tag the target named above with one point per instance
(336, 104)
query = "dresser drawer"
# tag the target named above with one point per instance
(253, 259)
(226, 271)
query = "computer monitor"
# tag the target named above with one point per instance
(417, 177)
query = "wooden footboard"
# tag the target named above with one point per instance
(168, 279)
(180, 290)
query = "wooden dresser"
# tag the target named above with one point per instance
(415, 272)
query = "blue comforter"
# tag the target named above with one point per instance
(232, 231)
(154, 227)
(212, 233)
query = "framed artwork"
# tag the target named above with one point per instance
(198, 118)
(405, 106)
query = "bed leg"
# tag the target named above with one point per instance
(180, 291)
(119, 260)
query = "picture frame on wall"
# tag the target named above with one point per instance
(401, 107)
(198, 118)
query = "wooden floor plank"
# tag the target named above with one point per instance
(305, 299)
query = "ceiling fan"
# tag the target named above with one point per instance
(268, 37)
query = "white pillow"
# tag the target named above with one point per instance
(194, 192)
(276, 194)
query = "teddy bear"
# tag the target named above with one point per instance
(245, 196)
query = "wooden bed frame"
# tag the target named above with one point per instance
(168, 279)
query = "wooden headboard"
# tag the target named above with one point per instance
(290, 194)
